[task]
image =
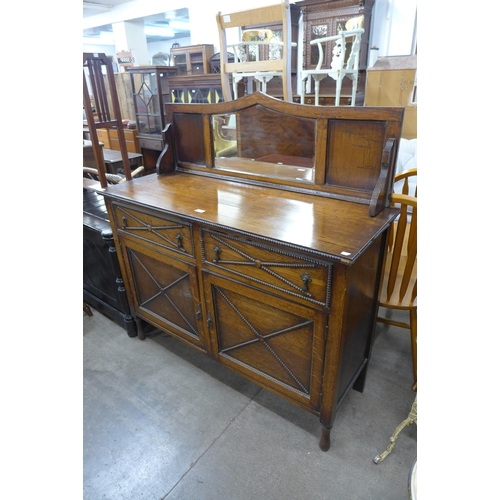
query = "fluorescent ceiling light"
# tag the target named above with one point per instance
(96, 6)
(107, 35)
(158, 31)
(179, 25)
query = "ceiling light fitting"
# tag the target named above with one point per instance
(158, 31)
(96, 6)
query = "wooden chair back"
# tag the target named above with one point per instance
(399, 283)
(125, 59)
(341, 65)
(256, 17)
(99, 81)
(405, 177)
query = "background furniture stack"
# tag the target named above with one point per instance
(345, 61)
(192, 60)
(325, 19)
(261, 55)
(102, 284)
(194, 82)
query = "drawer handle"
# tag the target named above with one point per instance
(124, 222)
(209, 320)
(198, 312)
(306, 279)
(218, 251)
(178, 237)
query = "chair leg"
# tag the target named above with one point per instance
(413, 335)
(316, 92)
(317, 80)
(338, 88)
(87, 309)
(354, 88)
(409, 420)
(303, 90)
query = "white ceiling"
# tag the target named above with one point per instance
(168, 19)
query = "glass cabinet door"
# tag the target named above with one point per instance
(164, 87)
(180, 61)
(147, 104)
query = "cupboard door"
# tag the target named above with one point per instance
(272, 341)
(165, 292)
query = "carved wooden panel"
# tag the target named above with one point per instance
(274, 269)
(275, 342)
(325, 18)
(172, 234)
(360, 169)
(166, 292)
(190, 140)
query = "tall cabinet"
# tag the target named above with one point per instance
(195, 83)
(193, 59)
(322, 19)
(150, 92)
(198, 89)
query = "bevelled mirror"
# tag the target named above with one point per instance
(288, 154)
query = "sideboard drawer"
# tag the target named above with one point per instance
(167, 232)
(289, 273)
(155, 144)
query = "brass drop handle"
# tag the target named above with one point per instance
(218, 251)
(209, 320)
(198, 312)
(178, 237)
(306, 279)
(124, 222)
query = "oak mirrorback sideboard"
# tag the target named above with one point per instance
(261, 239)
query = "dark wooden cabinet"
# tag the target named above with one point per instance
(326, 18)
(103, 287)
(323, 19)
(271, 272)
(198, 89)
(192, 59)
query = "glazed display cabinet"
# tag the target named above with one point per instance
(150, 93)
(192, 59)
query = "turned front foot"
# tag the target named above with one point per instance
(324, 442)
(141, 329)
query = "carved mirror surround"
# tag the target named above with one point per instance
(339, 151)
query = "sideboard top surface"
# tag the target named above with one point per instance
(332, 227)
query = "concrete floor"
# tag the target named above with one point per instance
(163, 421)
